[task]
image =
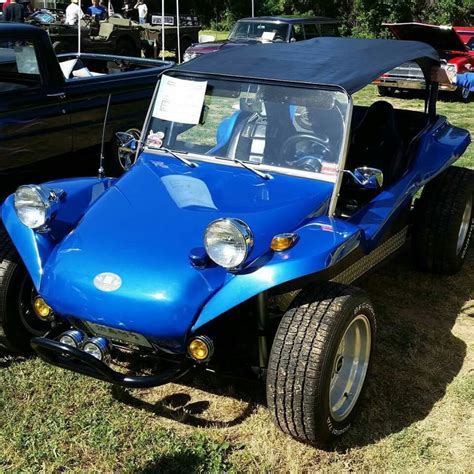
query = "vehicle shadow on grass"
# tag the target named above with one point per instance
(416, 357)
(180, 407)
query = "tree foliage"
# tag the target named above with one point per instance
(358, 17)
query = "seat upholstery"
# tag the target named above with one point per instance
(377, 143)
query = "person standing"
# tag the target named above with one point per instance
(97, 10)
(14, 12)
(73, 13)
(142, 11)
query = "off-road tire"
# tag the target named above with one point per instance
(302, 361)
(12, 275)
(437, 222)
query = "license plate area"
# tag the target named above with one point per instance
(119, 335)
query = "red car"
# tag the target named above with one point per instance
(454, 44)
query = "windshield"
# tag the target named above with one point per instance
(262, 31)
(293, 130)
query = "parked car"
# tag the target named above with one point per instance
(454, 45)
(117, 35)
(268, 29)
(53, 105)
(260, 195)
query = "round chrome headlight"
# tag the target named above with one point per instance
(35, 205)
(228, 242)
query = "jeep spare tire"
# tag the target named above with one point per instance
(319, 361)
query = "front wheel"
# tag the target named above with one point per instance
(319, 362)
(17, 316)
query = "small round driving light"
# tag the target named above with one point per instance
(35, 205)
(228, 242)
(73, 338)
(283, 242)
(201, 348)
(97, 347)
(42, 310)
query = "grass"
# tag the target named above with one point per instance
(416, 415)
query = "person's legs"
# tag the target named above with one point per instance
(142, 21)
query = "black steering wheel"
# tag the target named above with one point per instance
(310, 158)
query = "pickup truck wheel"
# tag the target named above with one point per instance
(319, 361)
(126, 48)
(443, 221)
(17, 316)
(116, 162)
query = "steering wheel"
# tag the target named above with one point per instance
(309, 159)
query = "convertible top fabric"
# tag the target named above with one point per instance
(347, 62)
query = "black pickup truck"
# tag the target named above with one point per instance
(52, 105)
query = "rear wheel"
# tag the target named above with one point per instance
(319, 361)
(126, 47)
(443, 221)
(17, 316)
(386, 91)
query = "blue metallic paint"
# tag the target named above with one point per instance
(145, 225)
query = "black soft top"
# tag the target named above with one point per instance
(346, 62)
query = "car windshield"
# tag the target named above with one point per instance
(262, 31)
(293, 130)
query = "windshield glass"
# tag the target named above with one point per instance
(259, 31)
(294, 130)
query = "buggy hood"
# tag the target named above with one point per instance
(143, 230)
(441, 38)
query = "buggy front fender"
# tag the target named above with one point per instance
(322, 249)
(36, 247)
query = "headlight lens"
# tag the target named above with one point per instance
(35, 205)
(228, 242)
(187, 56)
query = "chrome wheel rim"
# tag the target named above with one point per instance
(465, 225)
(349, 367)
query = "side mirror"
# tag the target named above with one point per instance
(368, 178)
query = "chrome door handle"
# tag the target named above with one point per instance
(60, 95)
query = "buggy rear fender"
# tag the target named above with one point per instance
(35, 247)
(322, 250)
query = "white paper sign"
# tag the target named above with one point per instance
(268, 35)
(180, 100)
(188, 191)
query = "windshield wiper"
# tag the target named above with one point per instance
(251, 168)
(180, 158)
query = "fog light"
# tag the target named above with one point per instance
(73, 338)
(42, 310)
(283, 242)
(97, 347)
(201, 348)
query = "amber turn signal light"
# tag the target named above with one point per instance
(201, 348)
(283, 242)
(42, 310)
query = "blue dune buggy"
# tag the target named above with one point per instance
(259, 195)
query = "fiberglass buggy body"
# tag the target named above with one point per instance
(259, 195)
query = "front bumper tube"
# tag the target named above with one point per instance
(67, 357)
